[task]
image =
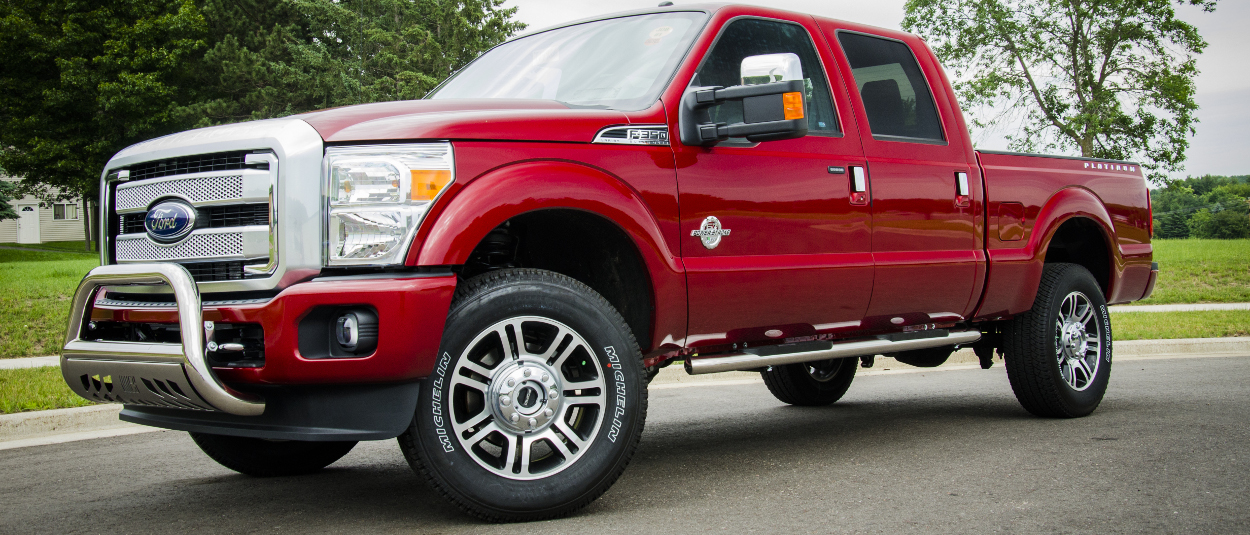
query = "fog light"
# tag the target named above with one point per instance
(354, 333)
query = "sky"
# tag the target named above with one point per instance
(1218, 148)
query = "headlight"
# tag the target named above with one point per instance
(378, 195)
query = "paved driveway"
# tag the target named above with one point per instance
(946, 452)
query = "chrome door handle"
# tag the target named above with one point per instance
(963, 194)
(859, 185)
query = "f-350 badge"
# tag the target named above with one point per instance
(710, 232)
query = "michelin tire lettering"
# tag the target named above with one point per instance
(618, 377)
(436, 405)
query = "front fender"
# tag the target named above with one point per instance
(503, 193)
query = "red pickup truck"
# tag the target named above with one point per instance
(493, 274)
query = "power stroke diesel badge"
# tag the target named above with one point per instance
(169, 221)
(710, 232)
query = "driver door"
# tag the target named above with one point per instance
(792, 256)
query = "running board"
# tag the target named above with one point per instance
(816, 351)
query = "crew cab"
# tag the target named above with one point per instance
(493, 274)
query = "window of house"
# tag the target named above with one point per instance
(65, 211)
(753, 37)
(896, 98)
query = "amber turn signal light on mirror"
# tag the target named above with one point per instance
(793, 104)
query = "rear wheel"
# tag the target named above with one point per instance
(270, 458)
(1058, 354)
(537, 401)
(811, 383)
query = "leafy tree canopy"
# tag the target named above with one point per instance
(1106, 78)
(82, 79)
(1208, 206)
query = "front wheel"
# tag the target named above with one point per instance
(270, 458)
(1058, 354)
(537, 401)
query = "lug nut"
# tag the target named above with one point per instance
(552, 393)
(527, 372)
(533, 423)
(546, 377)
(548, 413)
(511, 382)
(515, 417)
(504, 400)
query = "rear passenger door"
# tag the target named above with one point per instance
(924, 234)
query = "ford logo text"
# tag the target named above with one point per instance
(169, 221)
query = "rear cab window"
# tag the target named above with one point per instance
(895, 95)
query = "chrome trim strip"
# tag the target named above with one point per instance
(78, 354)
(858, 348)
(269, 267)
(106, 302)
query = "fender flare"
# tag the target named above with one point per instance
(1014, 273)
(490, 199)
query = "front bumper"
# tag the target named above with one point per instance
(411, 307)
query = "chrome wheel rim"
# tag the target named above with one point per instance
(527, 397)
(1078, 341)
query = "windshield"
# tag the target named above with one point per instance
(620, 63)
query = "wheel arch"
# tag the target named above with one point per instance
(539, 193)
(1078, 230)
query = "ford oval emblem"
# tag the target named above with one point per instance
(169, 221)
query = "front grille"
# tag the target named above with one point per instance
(222, 161)
(234, 216)
(195, 246)
(214, 217)
(233, 226)
(200, 189)
(215, 271)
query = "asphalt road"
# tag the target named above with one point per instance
(951, 451)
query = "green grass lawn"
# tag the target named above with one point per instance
(1169, 325)
(35, 290)
(36, 389)
(1201, 271)
(59, 246)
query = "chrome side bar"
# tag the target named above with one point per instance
(747, 361)
(148, 373)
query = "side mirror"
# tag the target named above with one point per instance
(769, 68)
(770, 112)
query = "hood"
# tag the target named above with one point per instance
(464, 119)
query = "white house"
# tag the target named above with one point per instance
(35, 224)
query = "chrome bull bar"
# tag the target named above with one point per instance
(141, 373)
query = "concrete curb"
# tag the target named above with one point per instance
(30, 362)
(1180, 308)
(100, 421)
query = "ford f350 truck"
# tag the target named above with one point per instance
(493, 274)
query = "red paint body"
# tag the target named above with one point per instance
(803, 259)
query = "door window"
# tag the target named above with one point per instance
(753, 37)
(896, 98)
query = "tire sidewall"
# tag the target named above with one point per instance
(1079, 402)
(617, 354)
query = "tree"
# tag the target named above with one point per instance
(1104, 78)
(8, 192)
(82, 79)
(277, 57)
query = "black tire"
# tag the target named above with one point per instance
(811, 384)
(270, 458)
(929, 357)
(1037, 348)
(492, 485)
